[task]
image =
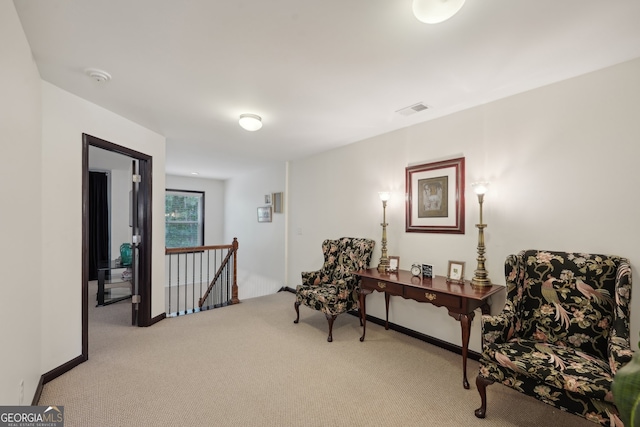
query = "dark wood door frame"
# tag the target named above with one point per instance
(144, 219)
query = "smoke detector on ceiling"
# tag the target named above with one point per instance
(412, 109)
(98, 75)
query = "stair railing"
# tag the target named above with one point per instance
(201, 278)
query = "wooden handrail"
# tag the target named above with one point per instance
(168, 251)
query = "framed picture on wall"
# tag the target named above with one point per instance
(264, 214)
(435, 197)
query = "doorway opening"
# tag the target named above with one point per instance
(140, 215)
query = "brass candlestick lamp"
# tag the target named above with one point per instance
(480, 274)
(383, 265)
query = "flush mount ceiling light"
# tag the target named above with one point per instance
(98, 75)
(436, 11)
(250, 122)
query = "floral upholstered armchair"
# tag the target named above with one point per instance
(334, 289)
(563, 333)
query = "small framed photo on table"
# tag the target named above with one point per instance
(394, 263)
(427, 271)
(455, 272)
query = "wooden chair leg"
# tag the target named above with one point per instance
(481, 384)
(296, 305)
(330, 319)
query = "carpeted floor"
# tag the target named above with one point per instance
(250, 365)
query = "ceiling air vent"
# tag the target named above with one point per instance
(412, 109)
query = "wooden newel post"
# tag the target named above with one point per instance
(234, 287)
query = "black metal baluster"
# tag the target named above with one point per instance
(193, 282)
(223, 296)
(200, 293)
(214, 299)
(220, 293)
(186, 277)
(228, 287)
(229, 270)
(178, 286)
(170, 259)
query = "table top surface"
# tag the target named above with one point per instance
(111, 265)
(437, 283)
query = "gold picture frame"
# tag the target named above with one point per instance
(394, 263)
(455, 272)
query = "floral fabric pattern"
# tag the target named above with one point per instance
(334, 289)
(564, 330)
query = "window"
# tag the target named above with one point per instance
(184, 218)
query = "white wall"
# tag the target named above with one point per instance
(65, 118)
(563, 165)
(21, 203)
(213, 204)
(261, 251)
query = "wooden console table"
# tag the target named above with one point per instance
(460, 299)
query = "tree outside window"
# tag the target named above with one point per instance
(184, 218)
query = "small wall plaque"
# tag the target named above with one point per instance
(278, 200)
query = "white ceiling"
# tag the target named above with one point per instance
(321, 73)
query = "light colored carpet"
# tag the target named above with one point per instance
(250, 365)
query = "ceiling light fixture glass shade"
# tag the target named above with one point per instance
(436, 11)
(250, 122)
